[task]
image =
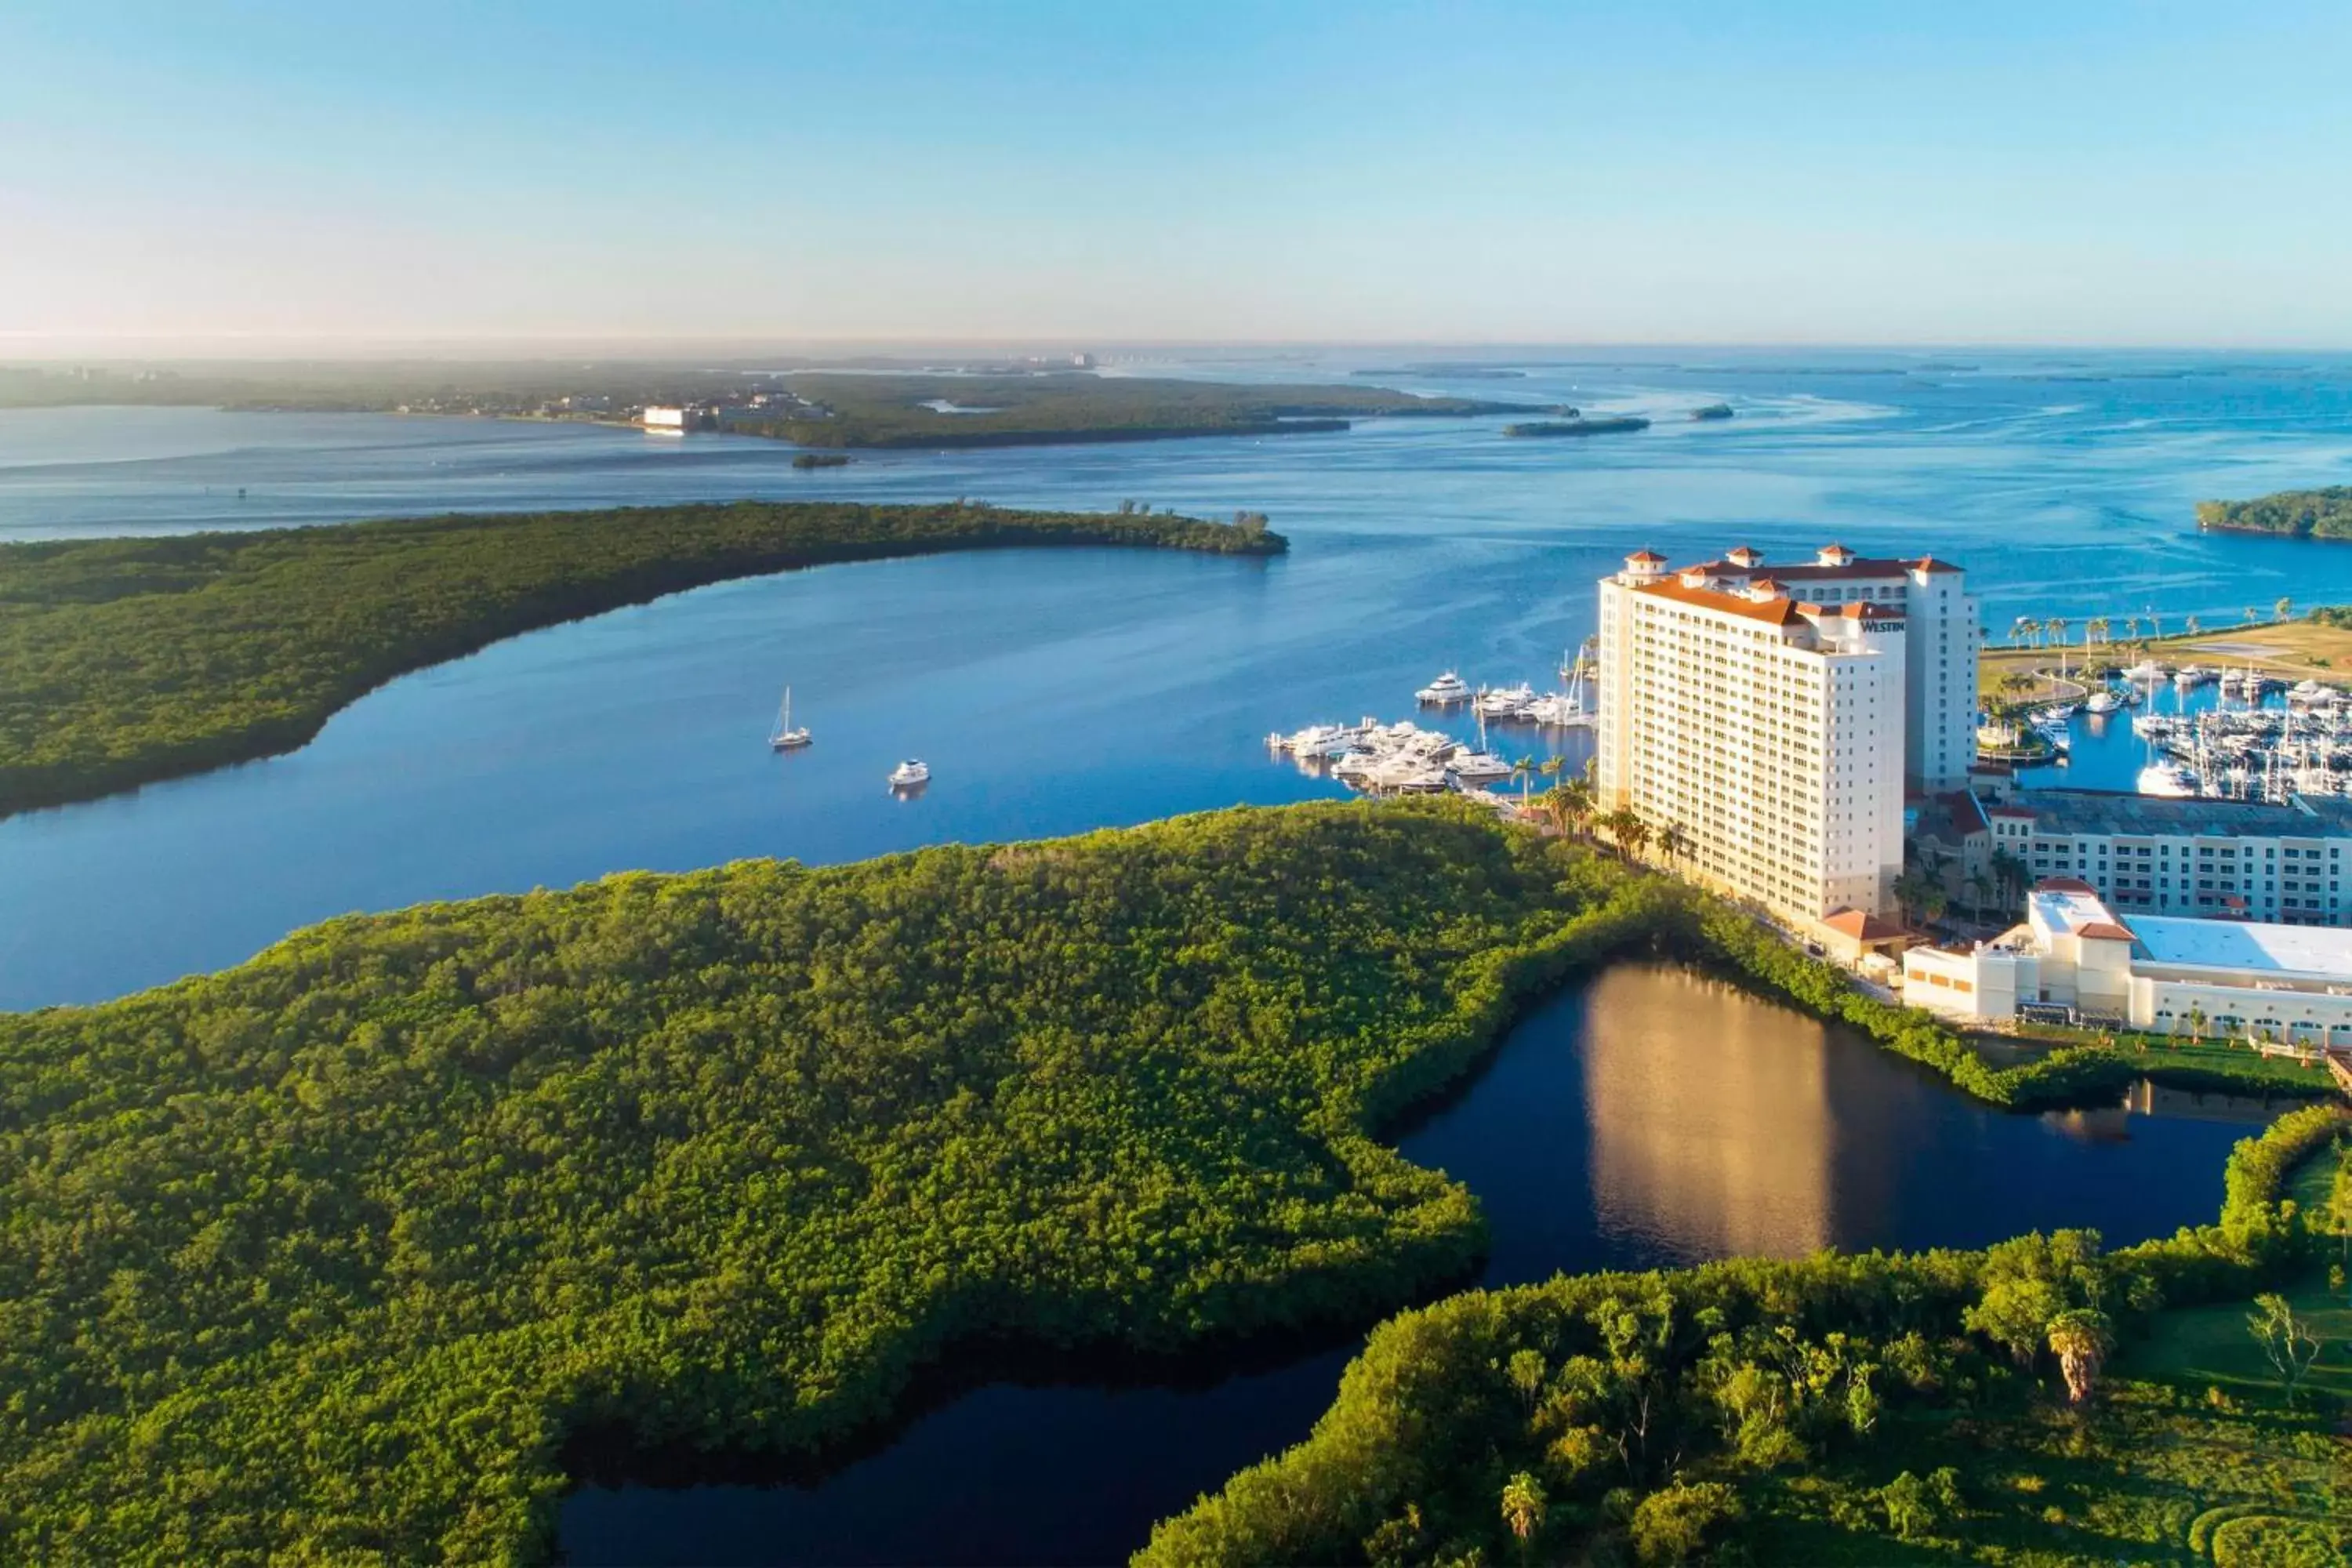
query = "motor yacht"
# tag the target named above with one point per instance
(2101, 702)
(2168, 779)
(1559, 712)
(907, 775)
(1505, 702)
(1477, 768)
(1447, 690)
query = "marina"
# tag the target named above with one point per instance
(1404, 758)
(2218, 734)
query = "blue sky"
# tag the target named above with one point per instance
(280, 175)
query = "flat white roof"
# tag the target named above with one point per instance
(2318, 951)
(2067, 909)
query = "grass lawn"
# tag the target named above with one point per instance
(2278, 1074)
(2198, 1347)
(2292, 650)
(2164, 1473)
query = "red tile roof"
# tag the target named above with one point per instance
(1650, 556)
(1778, 612)
(2107, 928)
(1859, 926)
(2065, 885)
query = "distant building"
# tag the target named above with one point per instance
(1082, 362)
(1774, 716)
(2075, 959)
(2223, 858)
(667, 421)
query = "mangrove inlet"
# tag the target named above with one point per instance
(123, 661)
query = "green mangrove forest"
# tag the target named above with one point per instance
(2041, 1401)
(864, 410)
(123, 661)
(325, 1257)
(2300, 514)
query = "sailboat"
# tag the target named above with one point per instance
(786, 738)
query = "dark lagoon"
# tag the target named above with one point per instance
(1648, 1118)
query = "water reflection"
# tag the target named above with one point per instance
(1723, 1149)
(1652, 1117)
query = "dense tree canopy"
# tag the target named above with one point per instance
(2305, 514)
(1811, 1411)
(323, 1257)
(127, 661)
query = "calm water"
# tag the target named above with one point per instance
(1650, 1121)
(1653, 1118)
(1054, 691)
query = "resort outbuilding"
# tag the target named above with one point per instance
(2075, 959)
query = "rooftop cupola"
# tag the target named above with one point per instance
(1644, 566)
(1744, 557)
(1835, 555)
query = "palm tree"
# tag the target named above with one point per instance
(2131, 628)
(2020, 629)
(2191, 625)
(2155, 624)
(2250, 614)
(2009, 872)
(2279, 611)
(1522, 770)
(1571, 805)
(1673, 842)
(1625, 825)
(2079, 1338)
(1980, 890)
(1523, 1508)
(2097, 630)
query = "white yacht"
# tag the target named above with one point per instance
(2146, 669)
(2168, 779)
(1505, 702)
(1447, 690)
(2101, 702)
(785, 738)
(907, 775)
(1476, 767)
(1559, 712)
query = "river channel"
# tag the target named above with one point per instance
(1649, 1118)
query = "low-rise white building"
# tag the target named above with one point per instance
(2169, 973)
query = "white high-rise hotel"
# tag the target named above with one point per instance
(1777, 714)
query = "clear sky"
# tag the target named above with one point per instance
(1128, 170)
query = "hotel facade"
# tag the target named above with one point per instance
(1775, 715)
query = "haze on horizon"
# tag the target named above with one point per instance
(296, 180)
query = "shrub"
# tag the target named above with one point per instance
(1672, 1525)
